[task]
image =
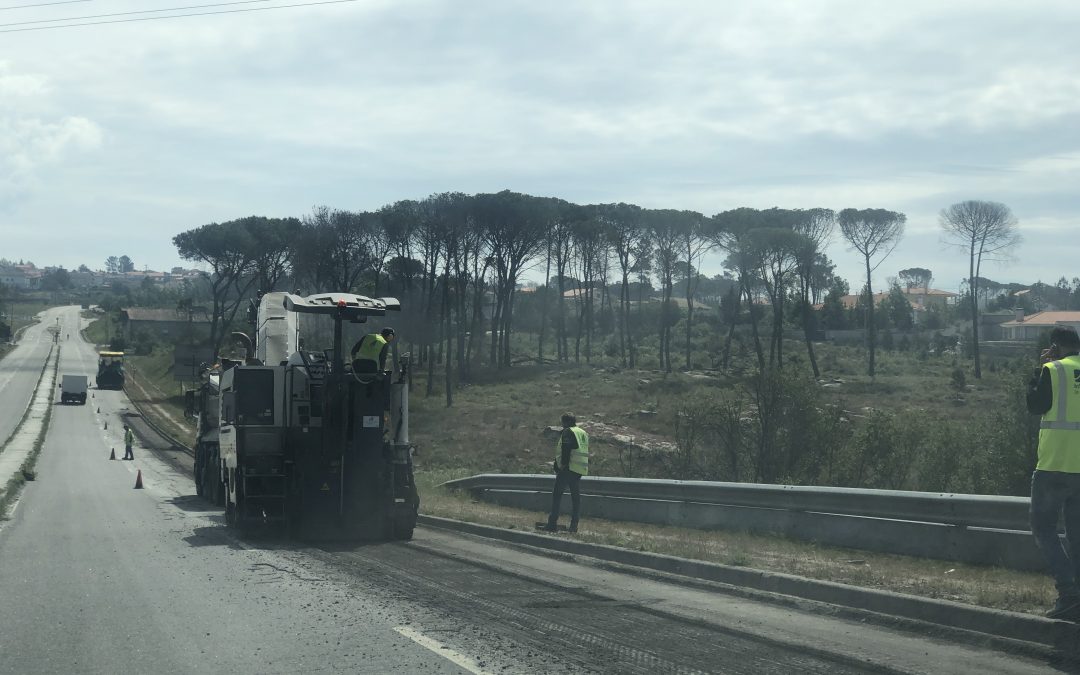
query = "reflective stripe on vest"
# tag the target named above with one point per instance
(370, 348)
(579, 456)
(1059, 430)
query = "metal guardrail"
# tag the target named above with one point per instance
(985, 511)
(157, 428)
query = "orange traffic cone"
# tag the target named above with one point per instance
(106, 425)
(112, 455)
(138, 480)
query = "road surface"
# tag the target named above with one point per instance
(20, 369)
(98, 577)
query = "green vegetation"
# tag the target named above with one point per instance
(102, 327)
(908, 428)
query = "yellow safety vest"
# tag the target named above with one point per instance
(1059, 431)
(371, 347)
(579, 456)
(129, 438)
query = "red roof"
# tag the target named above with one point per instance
(1046, 319)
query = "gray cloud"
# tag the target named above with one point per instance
(158, 127)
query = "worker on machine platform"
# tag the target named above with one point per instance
(369, 353)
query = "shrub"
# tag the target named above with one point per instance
(958, 380)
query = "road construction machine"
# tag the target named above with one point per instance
(110, 373)
(292, 436)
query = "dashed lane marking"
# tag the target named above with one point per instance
(454, 657)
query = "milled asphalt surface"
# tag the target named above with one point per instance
(98, 577)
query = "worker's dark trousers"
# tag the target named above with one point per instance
(563, 479)
(1054, 493)
(128, 454)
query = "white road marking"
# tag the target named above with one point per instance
(454, 657)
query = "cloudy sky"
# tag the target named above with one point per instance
(116, 136)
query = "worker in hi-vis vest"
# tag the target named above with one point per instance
(571, 463)
(369, 353)
(129, 441)
(1055, 485)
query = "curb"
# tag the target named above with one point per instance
(992, 623)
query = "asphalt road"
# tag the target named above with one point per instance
(98, 577)
(20, 369)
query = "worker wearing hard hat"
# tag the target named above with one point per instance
(369, 353)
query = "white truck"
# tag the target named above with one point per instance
(73, 389)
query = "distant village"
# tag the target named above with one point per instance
(1009, 312)
(28, 277)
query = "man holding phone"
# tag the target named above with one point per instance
(1055, 486)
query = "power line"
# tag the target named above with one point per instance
(176, 16)
(45, 4)
(141, 11)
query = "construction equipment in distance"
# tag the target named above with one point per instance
(293, 436)
(110, 374)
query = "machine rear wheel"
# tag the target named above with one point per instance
(403, 529)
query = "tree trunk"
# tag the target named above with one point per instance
(624, 317)
(508, 318)
(725, 361)
(543, 308)
(975, 312)
(560, 337)
(810, 341)
(871, 324)
(754, 328)
(448, 364)
(689, 317)
(496, 318)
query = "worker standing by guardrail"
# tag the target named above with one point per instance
(571, 463)
(1055, 485)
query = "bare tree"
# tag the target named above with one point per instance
(874, 233)
(815, 227)
(229, 251)
(732, 234)
(987, 230)
(695, 243)
(664, 229)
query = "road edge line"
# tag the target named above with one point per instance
(436, 647)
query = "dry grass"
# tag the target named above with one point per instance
(983, 586)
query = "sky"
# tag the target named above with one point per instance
(115, 137)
